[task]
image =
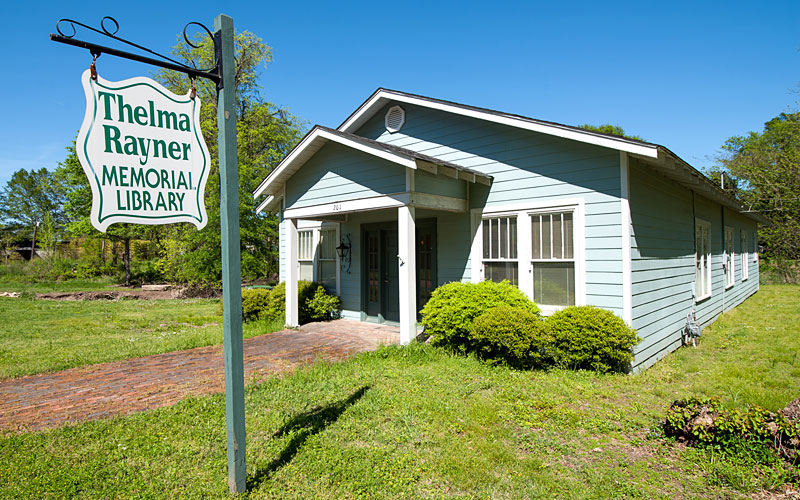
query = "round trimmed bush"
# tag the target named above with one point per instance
(590, 338)
(450, 312)
(254, 303)
(514, 336)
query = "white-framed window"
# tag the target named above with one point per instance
(500, 249)
(729, 258)
(305, 254)
(553, 258)
(326, 259)
(702, 259)
(317, 258)
(745, 256)
(549, 266)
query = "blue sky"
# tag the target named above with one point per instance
(687, 75)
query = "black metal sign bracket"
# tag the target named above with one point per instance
(214, 74)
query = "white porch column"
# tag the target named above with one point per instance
(407, 260)
(292, 317)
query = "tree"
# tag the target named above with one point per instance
(28, 197)
(766, 166)
(607, 128)
(78, 206)
(265, 134)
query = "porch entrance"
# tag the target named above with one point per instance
(380, 280)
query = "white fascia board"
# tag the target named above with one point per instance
(318, 134)
(608, 142)
(349, 206)
(265, 204)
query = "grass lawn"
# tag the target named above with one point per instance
(47, 335)
(416, 422)
(16, 283)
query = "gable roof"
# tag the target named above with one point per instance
(318, 136)
(655, 156)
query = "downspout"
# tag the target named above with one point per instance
(692, 329)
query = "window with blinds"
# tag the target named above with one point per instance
(326, 260)
(305, 254)
(702, 259)
(730, 265)
(745, 256)
(500, 249)
(553, 259)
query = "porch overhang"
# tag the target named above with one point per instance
(409, 198)
(274, 184)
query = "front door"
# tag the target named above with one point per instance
(381, 283)
(391, 275)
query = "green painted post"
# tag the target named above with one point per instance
(231, 260)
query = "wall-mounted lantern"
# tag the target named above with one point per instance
(343, 250)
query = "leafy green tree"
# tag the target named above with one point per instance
(265, 134)
(28, 197)
(78, 206)
(607, 128)
(766, 166)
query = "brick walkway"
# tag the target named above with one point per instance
(129, 386)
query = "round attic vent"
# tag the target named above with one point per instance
(395, 118)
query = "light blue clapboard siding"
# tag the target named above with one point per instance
(453, 240)
(425, 182)
(663, 261)
(337, 173)
(528, 167)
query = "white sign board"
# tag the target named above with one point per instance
(143, 152)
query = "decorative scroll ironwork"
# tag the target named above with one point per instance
(106, 29)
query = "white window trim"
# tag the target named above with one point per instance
(524, 254)
(729, 258)
(743, 243)
(707, 260)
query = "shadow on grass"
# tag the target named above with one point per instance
(303, 426)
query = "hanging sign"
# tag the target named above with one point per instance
(141, 147)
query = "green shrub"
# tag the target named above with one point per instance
(513, 336)
(449, 314)
(590, 338)
(146, 271)
(323, 305)
(305, 291)
(254, 303)
(313, 304)
(705, 422)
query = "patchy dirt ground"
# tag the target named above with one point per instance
(135, 294)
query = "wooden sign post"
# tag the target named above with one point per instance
(231, 258)
(223, 75)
